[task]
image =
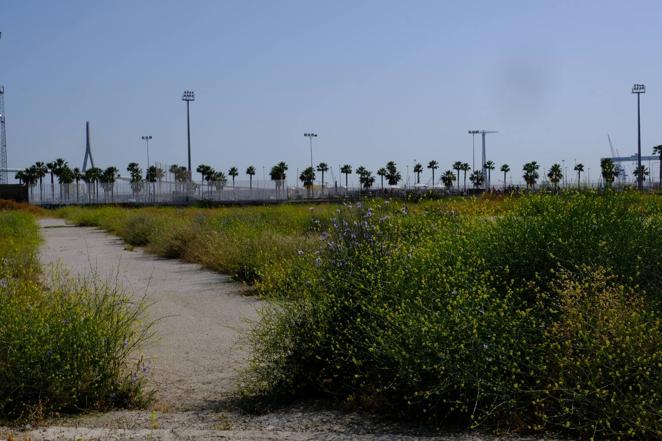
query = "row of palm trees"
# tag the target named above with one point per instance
(94, 177)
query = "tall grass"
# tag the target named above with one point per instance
(545, 317)
(65, 344)
(248, 243)
(537, 313)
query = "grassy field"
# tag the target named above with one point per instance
(65, 345)
(530, 314)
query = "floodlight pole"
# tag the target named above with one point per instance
(188, 96)
(473, 134)
(639, 89)
(310, 136)
(146, 139)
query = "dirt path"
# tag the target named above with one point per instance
(203, 316)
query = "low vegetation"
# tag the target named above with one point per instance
(65, 345)
(539, 313)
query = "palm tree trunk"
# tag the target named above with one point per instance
(504, 181)
(346, 182)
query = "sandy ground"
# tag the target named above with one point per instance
(195, 359)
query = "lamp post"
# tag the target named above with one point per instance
(473, 134)
(146, 139)
(639, 89)
(188, 96)
(310, 136)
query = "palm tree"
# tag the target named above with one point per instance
(365, 177)
(77, 177)
(640, 172)
(278, 174)
(28, 177)
(174, 171)
(489, 165)
(657, 150)
(135, 173)
(250, 171)
(393, 176)
(465, 168)
(234, 172)
(346, 170)
(51, 166)
(92, 176)
(579, 168)
(381, 173)
(20, 176)
(66, 177)
(151, 178)
(209, 177)
(219, 180)
(457, 166)
(447, 178)
(505, 168)
(107, 179)
(433, 165)
(609, 171)
(418, 169)
(203, 169)
(59, 165)
(477, 178)
(159, 174)
(530, 173)
(555, 175)
(322, 167)
(307, 176)
(41, 171)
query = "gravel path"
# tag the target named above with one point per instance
(194, 362)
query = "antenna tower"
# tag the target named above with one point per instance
(3, 139)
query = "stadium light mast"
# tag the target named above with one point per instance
(310, 136)
(146, 139)
(473, 134)
(188, 96)
(639, 89)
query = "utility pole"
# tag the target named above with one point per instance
(310, 136)
(639, 89)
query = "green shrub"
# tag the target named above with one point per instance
(410, 314)
(65, 345)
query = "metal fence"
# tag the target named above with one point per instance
(167, 192)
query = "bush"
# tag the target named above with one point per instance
(430, 316)
(65, 345)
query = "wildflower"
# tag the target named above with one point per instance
(318, 261)
(325, 235)
(300, 252)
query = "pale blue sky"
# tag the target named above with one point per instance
(377, 80)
